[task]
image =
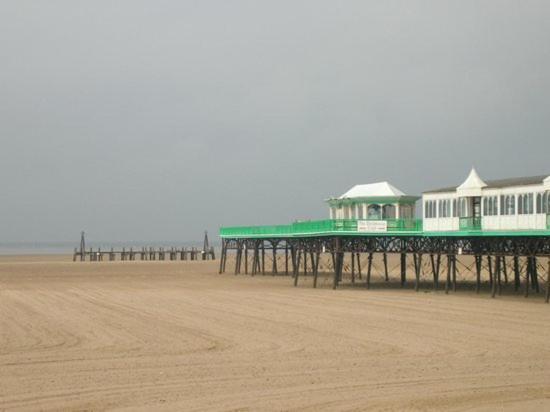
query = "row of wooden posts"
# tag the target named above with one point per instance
(497, 267)
(144, 253)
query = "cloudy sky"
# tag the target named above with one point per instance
(155, 120)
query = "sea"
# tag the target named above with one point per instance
(67, 248)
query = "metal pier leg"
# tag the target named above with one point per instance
(274, 268)
(418, 269)
(263, 258)
(517, 278)
(237, 259)
(548, 283)
(286, 258)
(449, 269)
(535, 271)
(454, 273)
(369, 269)
(490, 267)
(505, 270)
(352, 267)
(386, 275)
(527, 276)
(297, 267)
(245, 259)
(315, 269)
(336, 260)
(478, 272)
(359, 265)
(496, 279)
(403, 269)
(256, 258)
(221, 260)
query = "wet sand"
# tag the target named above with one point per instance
(178, 336)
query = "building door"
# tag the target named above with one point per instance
(476, 206)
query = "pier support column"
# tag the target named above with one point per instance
(286, 258)
(403, 269)
(548, 282)
(315, 267)
(221, 257)
(245, 258)
(517, 278)
(418, 269)
(263, 257)
(449, 270)
(527, 276)
(305, 261)
(436, 264)
(478, 272)
(535, 272)
(385, 260)
(353, 267)
(454, 272)
(297, 267)
(490, 269)
(274, 266)
(496, 280)
(369, 269)
(337, 265)
(359, 265)
(504, 270)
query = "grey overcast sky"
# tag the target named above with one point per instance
(155, 120)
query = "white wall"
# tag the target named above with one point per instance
(498, 222)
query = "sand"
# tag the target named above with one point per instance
(178, 336)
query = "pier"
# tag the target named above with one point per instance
(504, 260)
(144, 253)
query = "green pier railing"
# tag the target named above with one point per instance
(320, 227)
(469, 223)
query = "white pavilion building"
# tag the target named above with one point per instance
(506, 204)
(374, 201)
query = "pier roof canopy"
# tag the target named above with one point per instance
(472, 186)
(374, 192)
(502, 183)
(379, 189)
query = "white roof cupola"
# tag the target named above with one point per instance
(472, 186)
(380, 189)
(546, 183)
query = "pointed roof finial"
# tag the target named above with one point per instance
(472, 185)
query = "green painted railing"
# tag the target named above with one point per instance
(318, 227)
(242, 231)
(470, 223)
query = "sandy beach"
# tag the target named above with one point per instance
(178, 336)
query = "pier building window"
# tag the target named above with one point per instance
(430, 210)
(444, 208)
(406, 211)
(462, 207)
(388, 212)
(490, 206)
(359, 211)
(525, 204)
(507, 205)
(543, 202)
(455, 208)
(373, 212)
